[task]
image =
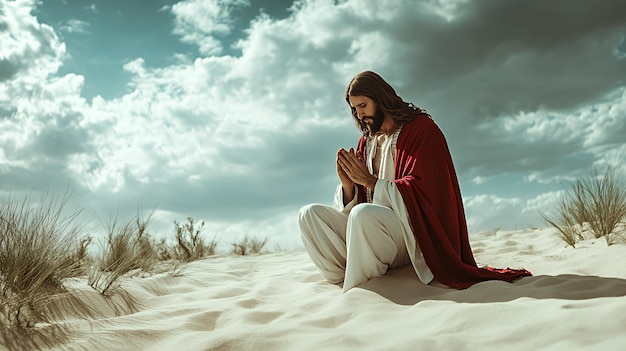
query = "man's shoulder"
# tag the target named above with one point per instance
(422, 122)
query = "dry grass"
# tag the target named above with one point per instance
(607, 203)
(248, 245)
(570, 214)
(598, 201)
(128, 247)
(190, 245)
(40, 245)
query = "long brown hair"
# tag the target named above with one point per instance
(376, 88)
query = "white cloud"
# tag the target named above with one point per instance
(620, 48)
(243, 141)
(544, 202)
(30, 50)
(614, 158)
(42, 110)
(75, 26)
(92, 8)
(447, 9)
(479, 180)
(197, 22)
(551, 145)
(488, 212)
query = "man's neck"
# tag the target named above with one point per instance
(389, 126)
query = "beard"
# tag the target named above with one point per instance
(377, 121)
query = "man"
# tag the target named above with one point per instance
(398, 202)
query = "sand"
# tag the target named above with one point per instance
(576, 300)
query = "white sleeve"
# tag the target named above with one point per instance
(339, 200)
(386, 193)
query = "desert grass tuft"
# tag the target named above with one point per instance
(607, 203)
(248, 245)
(598, 201)
(40, 245)
(189, 244)
(128, 247)
(565, 221)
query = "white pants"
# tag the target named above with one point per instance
(356, 247)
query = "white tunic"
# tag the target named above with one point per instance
(386, 194)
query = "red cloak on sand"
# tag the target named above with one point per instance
(427, 181)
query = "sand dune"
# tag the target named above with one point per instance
(575, 301)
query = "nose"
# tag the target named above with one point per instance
(360, 114)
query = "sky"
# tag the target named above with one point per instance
(231, 111)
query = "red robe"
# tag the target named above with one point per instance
(426, 179)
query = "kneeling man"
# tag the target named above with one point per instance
(398, 202)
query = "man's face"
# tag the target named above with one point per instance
(368, 112)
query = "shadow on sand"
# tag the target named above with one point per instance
(67, 306)
(32, 338)
(403, 287)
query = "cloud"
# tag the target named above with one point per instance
(92, 8)
(41, 111)
(223, 133)
(199, 22)
(28, 47)
(315, 51)
(488, 212)
(75, 26)
(30, 93)
(522, 65)
(547, 144)
(244, 139)
(620, 49)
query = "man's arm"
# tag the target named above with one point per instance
(348, 193)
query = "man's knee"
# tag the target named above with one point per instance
(363, 213)
(312, 215)
(307, 212)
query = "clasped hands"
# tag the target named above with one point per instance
(352, 169)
